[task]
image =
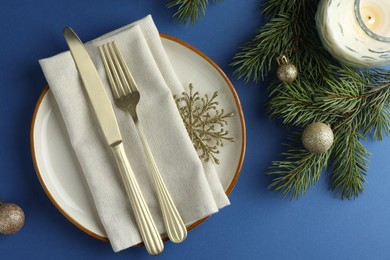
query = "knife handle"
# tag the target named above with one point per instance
(146, 225)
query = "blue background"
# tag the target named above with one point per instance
(258, 224)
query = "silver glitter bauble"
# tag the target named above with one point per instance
(286, 71)
(317, 138)
(11, 218)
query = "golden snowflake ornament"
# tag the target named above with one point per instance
(204, 123)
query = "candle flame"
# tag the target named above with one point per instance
(371, 20)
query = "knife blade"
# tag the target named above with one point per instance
(94, 88)
(101, 106)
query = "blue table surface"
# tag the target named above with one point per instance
(257, 225)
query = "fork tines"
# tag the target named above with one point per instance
(119, 75)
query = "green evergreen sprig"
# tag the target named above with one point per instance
(297, 170)
(355, 103)
(349, 164)
(188, 11)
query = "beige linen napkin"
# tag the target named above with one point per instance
(193, 185)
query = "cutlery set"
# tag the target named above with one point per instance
(126, 96)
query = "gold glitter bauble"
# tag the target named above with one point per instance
(317, 138)
(11, 218)
(286, 71)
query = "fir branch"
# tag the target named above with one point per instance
(256, 57)
(375, 114)
(342, 98)
(290, 32)
(350, 102)
(302, 103)
(297, 170)
(349, 164)
(273, 8)
(296, 105)
(355, 103)
(188, 11)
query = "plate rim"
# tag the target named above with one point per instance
(193, 225)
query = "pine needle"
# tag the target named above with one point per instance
(297, 170)
(188, 11)
(349, 164)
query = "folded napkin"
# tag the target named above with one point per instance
(193, 184)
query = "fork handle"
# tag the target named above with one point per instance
(176, 229)
(146, 225)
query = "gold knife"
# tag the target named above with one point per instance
(101, 106)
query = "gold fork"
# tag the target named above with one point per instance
(127, 96)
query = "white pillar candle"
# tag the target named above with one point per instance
(356, 32)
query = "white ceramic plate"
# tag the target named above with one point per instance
(58, 169)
